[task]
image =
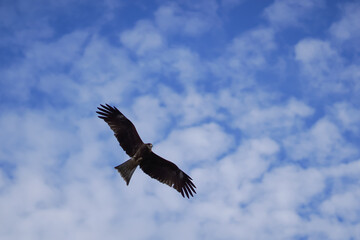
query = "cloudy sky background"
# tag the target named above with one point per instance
(259, 101)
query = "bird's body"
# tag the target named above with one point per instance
(128, 168)
(142, 155)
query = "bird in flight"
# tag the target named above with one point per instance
(141, 154)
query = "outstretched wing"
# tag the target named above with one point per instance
(124, 130)
(168, 173)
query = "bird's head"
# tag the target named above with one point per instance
(149, 145)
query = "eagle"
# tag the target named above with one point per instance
(141, 154)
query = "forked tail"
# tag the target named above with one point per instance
(127, 169)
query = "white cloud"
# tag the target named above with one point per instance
(249, 50)
(319, 228)
(191, 107)
(229, 184)
(351, 74)
(287, 13)
(274, 119)
(341, 206)
(63, 51)
(350, 169)
(105, 73)
(346, 115)
(186, 65)
(22, 23)
(29, 133)
(173, 19)
(47, 58)
(300, 185)
(208, 141)
(323, 143)
(312, 50)
(143, 39)
(348, 27)
(245, 55)
(250, 161)
(176, 63)
(326, 64)
(344, 206)
(267, 200)
(151, 118)
(267, 165)
(323, 64)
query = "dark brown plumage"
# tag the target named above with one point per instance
(141, 154)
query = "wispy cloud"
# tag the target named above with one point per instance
(262, 113)
(290, 13)
(347, 28)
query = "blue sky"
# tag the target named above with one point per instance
(258, 101)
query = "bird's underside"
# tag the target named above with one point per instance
(142, 155)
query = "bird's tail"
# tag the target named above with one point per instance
(127, 169)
